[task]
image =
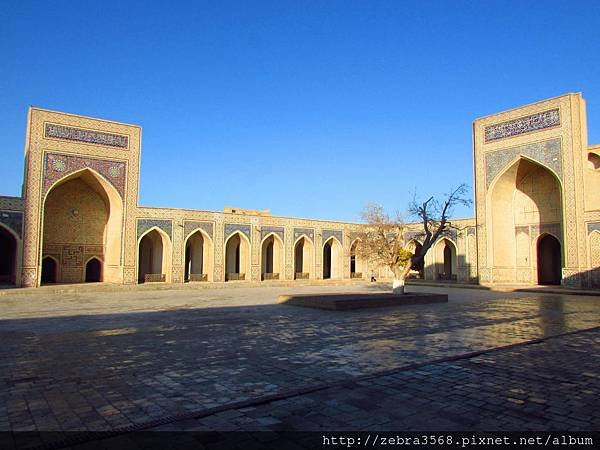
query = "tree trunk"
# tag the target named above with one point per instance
(400, 274)
(398, 287)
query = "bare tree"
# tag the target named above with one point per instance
(383, 242)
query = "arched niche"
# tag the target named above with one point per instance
(50, 270)
(593, 161)
(358, 267)
(591, 179)
(332, 259)
(525, 198)
(198, 251)
(445, 260)
(93, 270)
(418, 269)
(303, 258)
(272, 258)
(154, 256)
(237, 257)
(83, 216)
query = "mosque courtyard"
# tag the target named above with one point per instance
(233, 359)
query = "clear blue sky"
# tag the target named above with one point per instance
(309, 109)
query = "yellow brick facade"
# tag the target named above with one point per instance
(535, 179)
(534, 184)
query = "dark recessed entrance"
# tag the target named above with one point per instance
(93, 271)
(48, 270)
(548, 260)
(8, 257)
(327, 261)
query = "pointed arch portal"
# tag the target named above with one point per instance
(332, 265)
(237, 257)
(445, 258)
(83, 218)
(525, 201)
(356, 264)
(153, 256)
(303, 256)
(272, 257)
(198, 257)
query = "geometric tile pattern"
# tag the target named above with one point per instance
(190, 226)
(13, 220)
(549, 228)
(72, 256)
(452, 233)
(57, 166)
(414, 235)
(338, 234)
(306, 231)
(593, 226)
(546, 153)
(265, 231)
(144, 225)
(231, 228)
(8, 203)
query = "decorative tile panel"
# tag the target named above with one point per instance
(306, 231)
(547, 153)
(593, 226)
(352, 236)
(550, 228)
(265, 231)
(522, 229)
(338, 234)
(231, 228)
(88, 136)
(144, 225)
(527, 124)
(13, 220)
(416, 235)
(451, 233)
(94, 250)
(72, 256)
(11, 203)
(190, 226)
(57, 166)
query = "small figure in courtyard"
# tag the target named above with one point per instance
(373, 279)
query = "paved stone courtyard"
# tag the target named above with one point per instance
(104, 361)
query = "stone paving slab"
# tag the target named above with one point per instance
(552, 385)
(101, 362)
(547, 386)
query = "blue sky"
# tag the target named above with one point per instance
(309, 109)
